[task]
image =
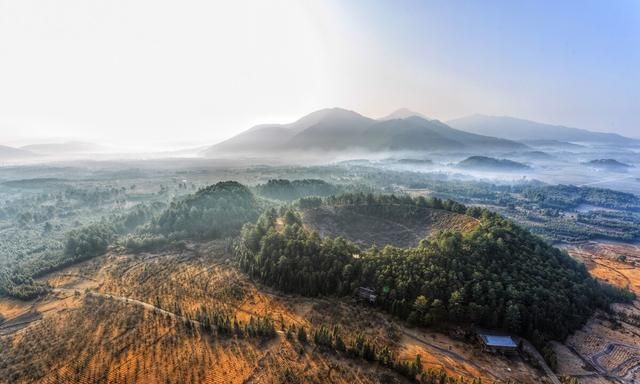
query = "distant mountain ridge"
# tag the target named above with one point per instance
(11, 153)
(68, 147)
(336, 129)
(512, 128)
(608, 164)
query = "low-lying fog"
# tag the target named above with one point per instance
(550, 164)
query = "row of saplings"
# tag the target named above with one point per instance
(222, 324)
(359, 347)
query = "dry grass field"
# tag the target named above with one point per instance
(123, 318)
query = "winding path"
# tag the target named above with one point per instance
(128, 300)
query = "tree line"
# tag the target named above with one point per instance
(360, 347)
(286, 190)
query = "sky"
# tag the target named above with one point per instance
(166, 74)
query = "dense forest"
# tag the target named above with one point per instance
(497, 276)
(216, 211)
(48, 233)
(570, 196)
(286, 190)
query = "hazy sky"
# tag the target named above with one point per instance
(149, 72)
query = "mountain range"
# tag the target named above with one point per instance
(11, 153)
(48, 150)
(522, 130)
(65, 148)
(336, 130)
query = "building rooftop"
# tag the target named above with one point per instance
(498, 341)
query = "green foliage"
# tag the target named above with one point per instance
(291, 330)
(88, 242)
(310, 202)
(322, 337)
(302, 335)
(20, 286)
(490, 163)
(262, 327)
(73, 246)
(570, 196)
(361, 347)
(387, 205)
(292, 190)
(220, 322)
(216, 211)
(497, 276)
(144, 242)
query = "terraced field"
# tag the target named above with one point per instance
(608, 347)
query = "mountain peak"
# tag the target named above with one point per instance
(334, 112)
(403, 113)
(337, 129)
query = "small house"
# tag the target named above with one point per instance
(497, 343)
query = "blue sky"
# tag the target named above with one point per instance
(161, 73)
(570, 62)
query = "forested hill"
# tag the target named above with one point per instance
(216, 211)
(609, 164)
(491, 164)
(498, 275)
(282, 189)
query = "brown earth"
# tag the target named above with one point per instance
(123, 318)
(607, 348)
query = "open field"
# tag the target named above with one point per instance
(124, 319)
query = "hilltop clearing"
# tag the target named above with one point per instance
(391, 223)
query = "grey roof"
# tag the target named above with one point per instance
(498, 341)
